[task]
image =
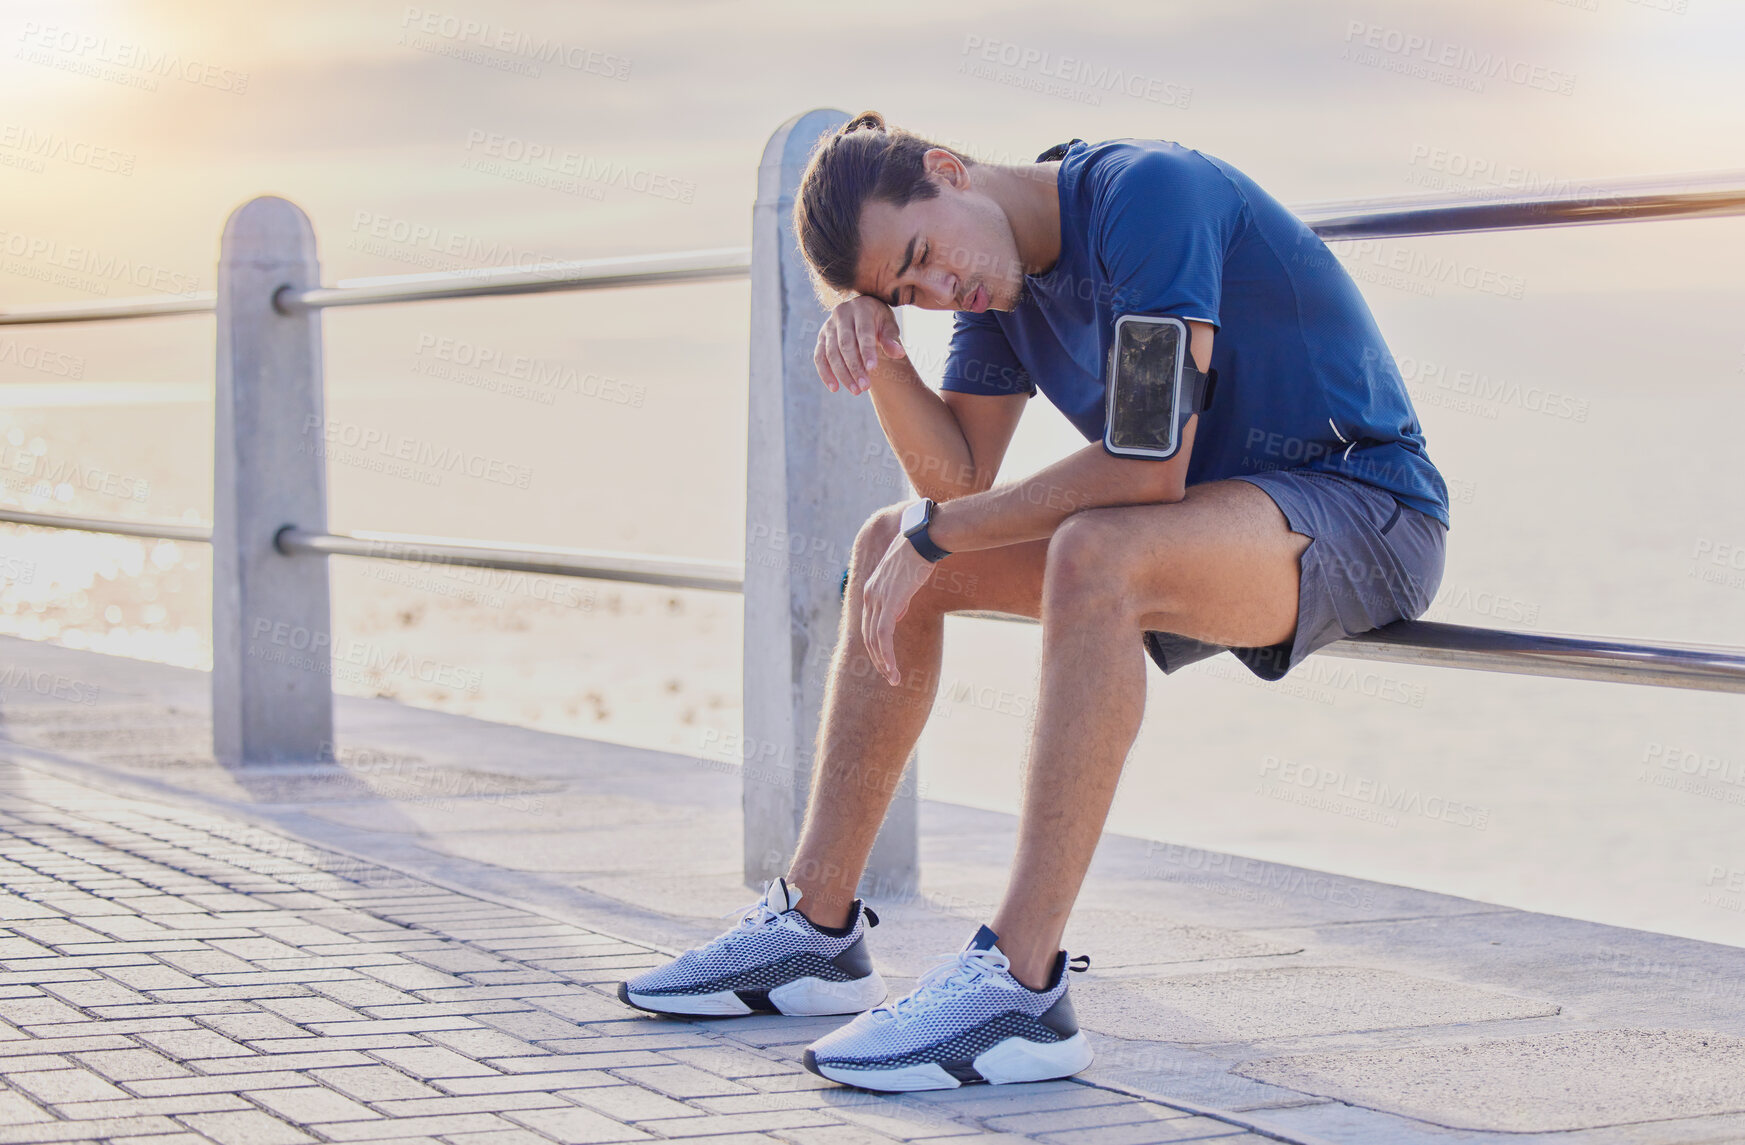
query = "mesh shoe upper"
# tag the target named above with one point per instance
(773, 944)
(956, 1011)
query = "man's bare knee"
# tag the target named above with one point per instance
(870, 543)
(1086, 565)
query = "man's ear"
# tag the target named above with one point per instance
(943, 164)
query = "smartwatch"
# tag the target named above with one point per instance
(915, 520)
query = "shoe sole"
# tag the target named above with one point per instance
(1012, 1060)
(803, 997)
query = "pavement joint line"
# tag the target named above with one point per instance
(295, 1072)
(164, 792)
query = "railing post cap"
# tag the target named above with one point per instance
(268, 229)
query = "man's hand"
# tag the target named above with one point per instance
(885, 598)
(849, 343)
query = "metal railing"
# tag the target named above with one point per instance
(270, 537)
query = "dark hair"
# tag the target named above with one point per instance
(864, 160)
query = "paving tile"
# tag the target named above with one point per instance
(527, 1082)
(720, 1124)
(52, 1087)
(478, 1103)
(1149, 1133)
(681, 1081)
(575, 1126)
(245, 1128)
(373, 1083)
(137, 1106)
(499, 1137)
(130, 1065)
(483, 1043)
(433, 1061)
(633, 1102)
(110, 1128)
(17, 1109)
(395, 1127)
(311, 1105)
(1083, 1117)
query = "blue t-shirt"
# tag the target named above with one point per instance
(1148, 226)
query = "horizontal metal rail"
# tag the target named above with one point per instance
(204, 302)
(595, 564)
(1607, 201)
(164, 530)
(1602, 201)
(1670, 664)
(580, 274)
(1665, 663)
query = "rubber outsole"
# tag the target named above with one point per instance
(1012, 1061)
(805, 997)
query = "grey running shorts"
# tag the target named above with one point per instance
(1372, 560)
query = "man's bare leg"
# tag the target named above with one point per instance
(868, 728)
(1220, 566)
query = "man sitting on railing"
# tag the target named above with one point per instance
(1301, 508)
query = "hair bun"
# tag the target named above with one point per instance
(871, 120)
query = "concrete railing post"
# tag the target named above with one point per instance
(272, 696)
(814, 475)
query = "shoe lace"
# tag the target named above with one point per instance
(961, 971)
(751, 917)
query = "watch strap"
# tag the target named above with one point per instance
(918, 535)
(924, 544)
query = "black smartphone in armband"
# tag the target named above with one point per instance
(1151, 388)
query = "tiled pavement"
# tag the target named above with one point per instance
(171, 976)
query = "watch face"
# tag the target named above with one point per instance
(912, 517)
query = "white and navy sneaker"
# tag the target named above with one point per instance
(965, 1022)
(775, 961)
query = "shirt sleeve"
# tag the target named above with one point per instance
(981, 360)
(1160, 230)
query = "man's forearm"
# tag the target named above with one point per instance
(1033, 508)
(922, 430)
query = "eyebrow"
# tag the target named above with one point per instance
(908, 256)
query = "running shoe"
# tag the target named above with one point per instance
(774, 961)
(965, 1022)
